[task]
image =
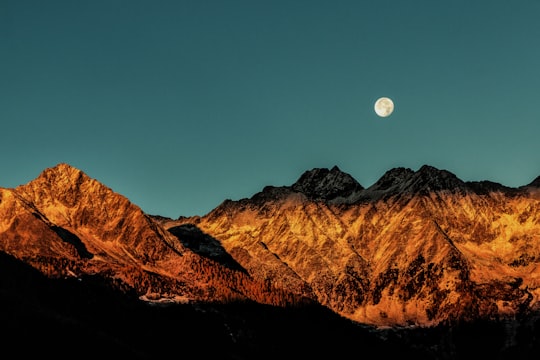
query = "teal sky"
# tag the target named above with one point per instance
(179, 105)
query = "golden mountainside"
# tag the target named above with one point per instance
(416, 248)
(66, 224)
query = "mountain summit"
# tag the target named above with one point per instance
(67, 224)
(427, 179)
(321, 183)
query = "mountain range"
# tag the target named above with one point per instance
(420, 263)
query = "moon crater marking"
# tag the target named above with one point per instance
(384, 107)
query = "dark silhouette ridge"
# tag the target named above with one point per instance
(322, 183)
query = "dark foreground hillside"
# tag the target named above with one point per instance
(87, 318)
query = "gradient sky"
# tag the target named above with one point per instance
(179, 105)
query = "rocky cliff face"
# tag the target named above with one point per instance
(415, 248)
(66, 224)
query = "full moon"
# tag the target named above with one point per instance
(384, 106)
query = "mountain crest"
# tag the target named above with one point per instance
(426, 179)
(429, 178)
(326, 184)
(62, 174)
(65, 184)
(386, 255)
(392, 179)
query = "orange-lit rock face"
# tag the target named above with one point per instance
(105, 222)
(426, 248)
(66, 224)
(415, 248)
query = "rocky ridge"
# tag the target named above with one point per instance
(68, 225)
(417, 248)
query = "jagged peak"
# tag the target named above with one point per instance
(67, 184)
(326, 184)
(430, 178)
(62, 170)
(433, 172)
(426, 179)
(64, 167)
(392, 178)
(61, 178)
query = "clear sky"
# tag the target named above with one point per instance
(179, 105)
